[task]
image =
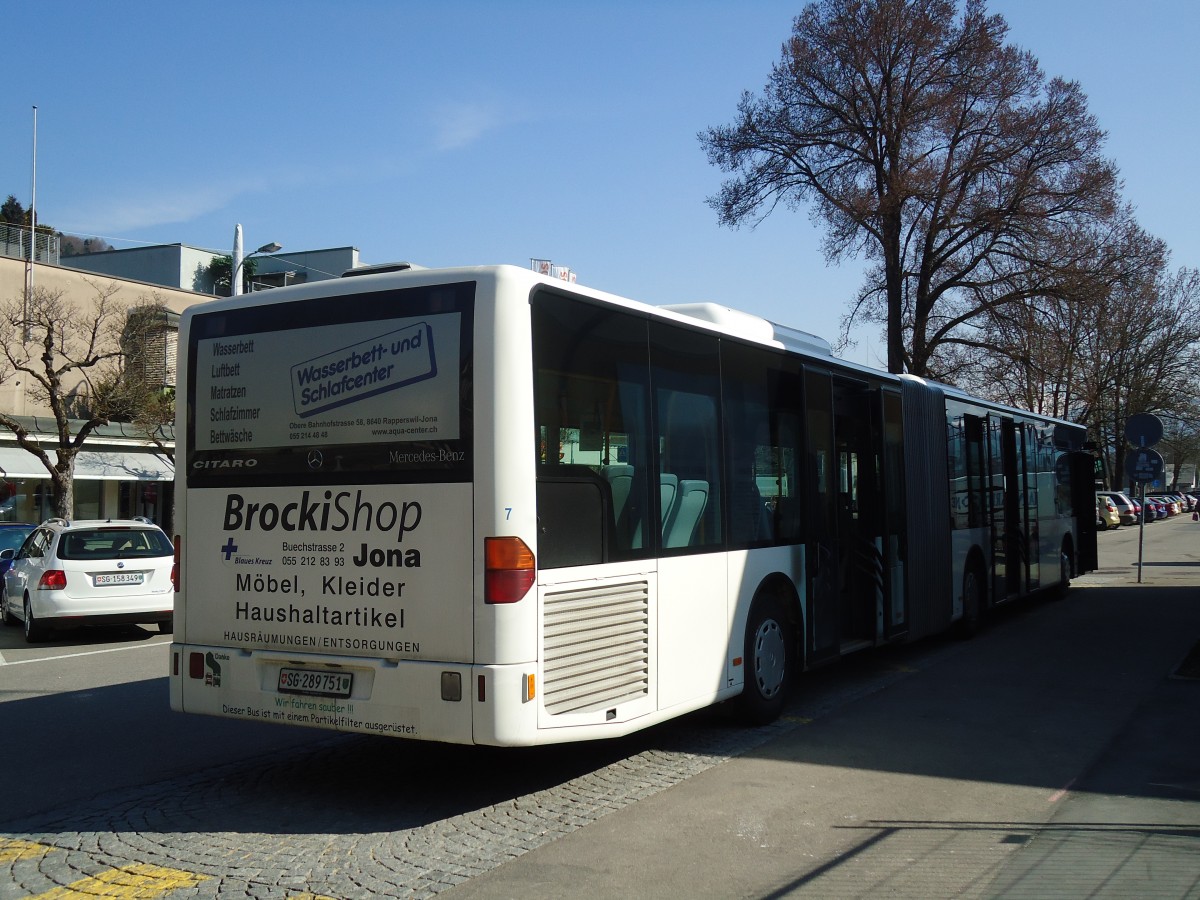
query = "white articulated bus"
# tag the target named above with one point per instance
(481, 505)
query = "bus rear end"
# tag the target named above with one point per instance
(332, 564)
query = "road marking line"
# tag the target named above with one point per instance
(25, 662)
(12, 849)
(139, 881)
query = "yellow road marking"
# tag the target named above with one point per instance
(139, 881)
(134, 882)
(12, 849)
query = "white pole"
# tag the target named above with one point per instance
(33, 189)
(235, 272)
(32, 235)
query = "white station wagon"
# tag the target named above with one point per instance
(89, 572)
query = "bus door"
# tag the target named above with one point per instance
(1031, 546)
(1005, 501)
(977, 508)
(820, 520)
(893, 546)
(859, 512)
(845, 577)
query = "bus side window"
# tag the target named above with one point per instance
(691, 454)
(594, 491)
(762, 404)
(749, 467)
(685, 369)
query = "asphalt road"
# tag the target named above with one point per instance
(1052, 755)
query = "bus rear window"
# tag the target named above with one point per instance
(359, 388)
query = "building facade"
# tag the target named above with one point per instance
(119, 472)
(186, 268)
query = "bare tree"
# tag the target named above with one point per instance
(1035, 352)
(926, 142)
(66, 353)
(1180, 445)
(1147, 358)
(147, 374)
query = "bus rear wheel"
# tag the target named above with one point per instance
(769, 660)
(973, 600)
(1066, 568)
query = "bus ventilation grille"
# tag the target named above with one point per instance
(597, 646)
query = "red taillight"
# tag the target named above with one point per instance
(509, 569)
(175, 565)
(53, 580)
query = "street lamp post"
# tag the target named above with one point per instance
(238, 260)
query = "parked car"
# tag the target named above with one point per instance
(12, 536)
(1106, 513)
(1155, 509)
(1161, 498)
(9, 507)
(90, 572)
(1125, 507)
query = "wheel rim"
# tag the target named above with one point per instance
(770, 656)
(28, 618)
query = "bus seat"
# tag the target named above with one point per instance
(668, 493)
(693, 496)
(620, 480)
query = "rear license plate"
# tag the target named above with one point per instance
(109, 578)
(318, 684)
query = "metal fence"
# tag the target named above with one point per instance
(14, 242)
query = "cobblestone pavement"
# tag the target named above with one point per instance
(363, 817)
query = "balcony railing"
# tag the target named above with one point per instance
(14, 242)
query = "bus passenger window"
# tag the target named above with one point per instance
(690, 453)
(590, 406)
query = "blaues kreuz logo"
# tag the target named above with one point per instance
(363, 370)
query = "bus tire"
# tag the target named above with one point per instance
(973, 600)
(35, 631)
(1066, 568)
(769, 660)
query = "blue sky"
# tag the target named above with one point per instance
(481, 132)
